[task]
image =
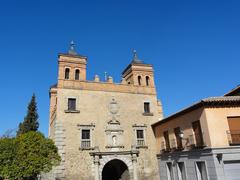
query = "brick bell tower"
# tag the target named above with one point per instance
(71, 67)
(138, 73)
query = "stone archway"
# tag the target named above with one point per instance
(115, 170)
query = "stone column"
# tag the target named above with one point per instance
(134, 161)
(96, 164)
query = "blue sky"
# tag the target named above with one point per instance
(193, 45)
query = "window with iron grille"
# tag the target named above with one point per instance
(86, 139)
(140, 137)
(71, 104)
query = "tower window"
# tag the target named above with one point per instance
(146, 107)
(147, 80)
(72, 104)
(67, 72)
(139, 80)
(77, 73)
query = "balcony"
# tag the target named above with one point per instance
(140, 142)
(86, 144)
(233, 137)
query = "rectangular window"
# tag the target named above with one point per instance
(181, 171)
(169, 171)
(197, 133)
(71, 104)
(86, 139)
(140, 137)
(201, 171)
(146, 107)
(177, 131)
(166, 138)
(234, 130)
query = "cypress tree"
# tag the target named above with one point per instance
(30, 122)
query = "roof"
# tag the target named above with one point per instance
(233, 92)
(207, 102)
(72, 55)
(138, 64)
(53, 86)
(135, 59)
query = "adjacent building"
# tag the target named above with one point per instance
(103, 129)
(202, 141)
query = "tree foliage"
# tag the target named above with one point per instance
(8, 165)
(26, 156)
(30, 122)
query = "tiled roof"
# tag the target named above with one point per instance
(234, 91)
(222, 99)
(207, 102)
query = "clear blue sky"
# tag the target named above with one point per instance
(193, 45)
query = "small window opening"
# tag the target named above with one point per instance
(77, 73)
(139, 80)
(67, 72)
(71, 104)
(146, 107)
(147, 80)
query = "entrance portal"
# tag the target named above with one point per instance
(115, 170)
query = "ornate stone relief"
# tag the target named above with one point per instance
(114, 130)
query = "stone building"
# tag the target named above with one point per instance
(202, 141)
(103, 129)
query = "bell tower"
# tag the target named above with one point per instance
(138, 73)
(71, 66)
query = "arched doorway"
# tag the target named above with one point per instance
(115, 170)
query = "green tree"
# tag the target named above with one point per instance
(8, 165)
(26, 156)
(30, 122)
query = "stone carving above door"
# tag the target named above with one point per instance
(114, 131)
(113, 109)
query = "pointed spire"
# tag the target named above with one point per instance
(72, 50)
(135, 58)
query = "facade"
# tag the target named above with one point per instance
(202, 141)
(103, 129)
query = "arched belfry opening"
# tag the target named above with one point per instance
(139, 80)
(115, 170)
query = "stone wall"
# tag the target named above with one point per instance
(94, 110)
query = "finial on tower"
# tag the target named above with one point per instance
(135, 58)
(72, 50)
